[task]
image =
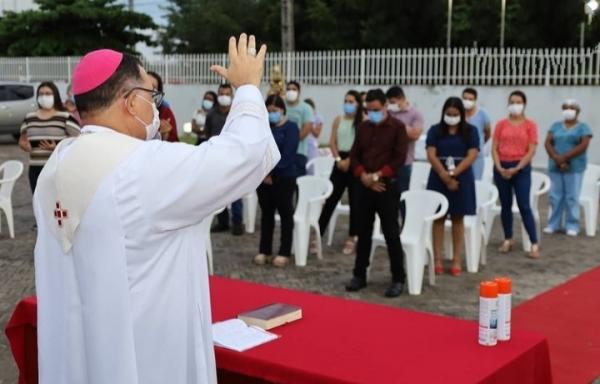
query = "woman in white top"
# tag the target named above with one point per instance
(208, 103)
(342, 138)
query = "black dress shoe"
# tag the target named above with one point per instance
(394, 290)
(219, 228)
(356, 284)
(238, 229)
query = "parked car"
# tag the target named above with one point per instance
(16, 101)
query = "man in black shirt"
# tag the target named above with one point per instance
(379, 151)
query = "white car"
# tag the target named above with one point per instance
(16, 101)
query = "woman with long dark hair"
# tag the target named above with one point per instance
(168, 124)
(515, 142)
(342, 137)
(452, 148)
(43, 129)
(276, 193)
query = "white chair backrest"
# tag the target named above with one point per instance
(419, 175)
(10, 171)
(591, 177)
(321, 166)
(421, 206)
(486, 193)
(312, 193)
(540, 184)
(488, 169)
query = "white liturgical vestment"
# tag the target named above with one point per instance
(121, 269)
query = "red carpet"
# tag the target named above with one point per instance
(569, 316)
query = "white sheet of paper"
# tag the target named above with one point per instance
(236, 335)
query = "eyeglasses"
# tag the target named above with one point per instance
(157, 96)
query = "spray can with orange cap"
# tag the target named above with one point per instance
(504, 307)
(488, 313)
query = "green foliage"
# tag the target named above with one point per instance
(71, 27)
(205, 25)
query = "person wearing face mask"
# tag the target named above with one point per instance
(513, 147)
(70, 105)
(343, 131)
(199, 118)
(215, 121)
(276, 193)
(378, 152)
(481, 120)
(566, 143)
(168, 124)
(399, 108)
(43, 129)
(121, 272)
(452, 147)
(300, 113)
(312, 140)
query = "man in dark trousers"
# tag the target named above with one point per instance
(378, 153)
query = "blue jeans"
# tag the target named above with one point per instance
(403, 182)
(564, 199)
(521, 184)
(236, 213)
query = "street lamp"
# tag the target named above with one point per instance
(590, 8)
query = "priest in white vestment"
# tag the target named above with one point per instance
(121, 269)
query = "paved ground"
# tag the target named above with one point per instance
(563, 258)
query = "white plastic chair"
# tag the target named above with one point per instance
(488, 169)
(475, 238)
(340, 209)
(249, 211)
(312, 193)
(205, 232)
(11, 170)
(419, 175)
(422, 209)
(321, 166)
(588, 198)
(540, 184)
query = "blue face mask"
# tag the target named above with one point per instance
(349, 108)
(376, 116)
(207, 104)
(274, 117)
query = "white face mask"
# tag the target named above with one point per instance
(569, 114)
(516, 109)
(46, 101)
(291, 96)
(451, 120)
(224, 100)
(469, 104)
(393, 107)
(152, 128)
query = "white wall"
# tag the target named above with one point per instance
(544, 105)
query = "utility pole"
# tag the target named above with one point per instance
(449, 25)
(287, 25)
(130, 5)
(502, 22)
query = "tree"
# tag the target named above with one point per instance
(205, 25)
(72, 27)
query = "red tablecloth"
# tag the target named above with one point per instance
(346, 341)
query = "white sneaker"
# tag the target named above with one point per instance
(549, 230)
(572, 233)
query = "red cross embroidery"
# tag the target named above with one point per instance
(60, 214)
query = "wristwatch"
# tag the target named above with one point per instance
(375, 177)
(338, 159)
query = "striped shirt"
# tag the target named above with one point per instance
(56, 128)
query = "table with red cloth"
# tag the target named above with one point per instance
(344, 341)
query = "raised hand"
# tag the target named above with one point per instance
(245, 66)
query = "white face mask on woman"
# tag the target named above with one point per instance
(451, 120)
(46, 101)
(291, 96)
(569, 114)
(152, 128)
(516, 109)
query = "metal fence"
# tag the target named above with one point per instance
(418, 66)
